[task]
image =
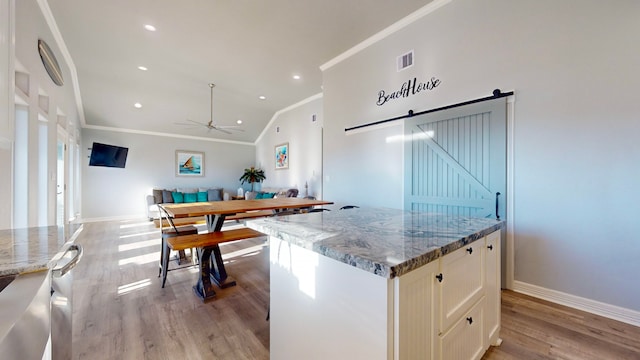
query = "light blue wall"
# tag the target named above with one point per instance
(574, 68)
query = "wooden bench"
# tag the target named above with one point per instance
(200, 220)
(183, 242)
(204, 243)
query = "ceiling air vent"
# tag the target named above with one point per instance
(405, 60)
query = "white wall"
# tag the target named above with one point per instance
(109, 193)
(574, 68)
(24, 22)
(304, 136)
(6, 110)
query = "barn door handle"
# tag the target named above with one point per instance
(497, 207)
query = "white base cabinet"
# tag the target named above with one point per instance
(464, 339)
(322, 308)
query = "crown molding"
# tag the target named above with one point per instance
(155, 133)
(57, 36)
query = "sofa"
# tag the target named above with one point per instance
(268, 193)
(180, 195)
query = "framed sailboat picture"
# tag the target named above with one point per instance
(189, 163)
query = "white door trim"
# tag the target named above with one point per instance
(510, 211)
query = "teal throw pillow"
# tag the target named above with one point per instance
(178, 197)
(268, 195)
(190, 197)
(259, 196)
(202, 196)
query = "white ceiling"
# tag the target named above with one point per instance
(247, 48)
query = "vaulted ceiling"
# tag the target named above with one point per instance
(248, 48)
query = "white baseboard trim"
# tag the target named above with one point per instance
(591, 306)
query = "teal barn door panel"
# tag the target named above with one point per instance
(455, 160)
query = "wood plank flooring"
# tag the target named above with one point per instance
(121, 312)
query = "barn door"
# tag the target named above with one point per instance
(456, 160)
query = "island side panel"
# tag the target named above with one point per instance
(492, 283)
(324, 309)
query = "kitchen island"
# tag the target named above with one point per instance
(374, 283)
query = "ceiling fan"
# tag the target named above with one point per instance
(210, 125)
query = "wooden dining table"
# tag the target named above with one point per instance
(216, 212)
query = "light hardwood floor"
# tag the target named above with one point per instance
(121, 312)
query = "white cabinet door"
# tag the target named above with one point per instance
(465, 340)
(415, 331)
(492, 288)
(462, 281)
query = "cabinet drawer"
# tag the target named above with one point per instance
(462, 281)
(465, 340)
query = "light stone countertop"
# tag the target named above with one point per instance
(32, 249)
(386, 242)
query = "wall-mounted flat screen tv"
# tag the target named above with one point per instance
(108, 155)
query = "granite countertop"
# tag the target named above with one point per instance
(386, 242)
(32, 249)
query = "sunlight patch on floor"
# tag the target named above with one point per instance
(138, 245)
(128, 226)
(139, 234)
(243, 252)
(137, 285)
(141, 259)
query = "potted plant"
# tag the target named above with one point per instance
(252, 175)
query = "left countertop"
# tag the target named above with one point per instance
(33, 249)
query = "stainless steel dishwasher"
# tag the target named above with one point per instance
(61, 301)
(25, 316)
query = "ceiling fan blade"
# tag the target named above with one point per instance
(197, 122)
(222, 130)
(230, 129)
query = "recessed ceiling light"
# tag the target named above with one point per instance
(262, 97)
(238, 121)
(137, 105)
(143, 68)
(150, 27)
(296, 77)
